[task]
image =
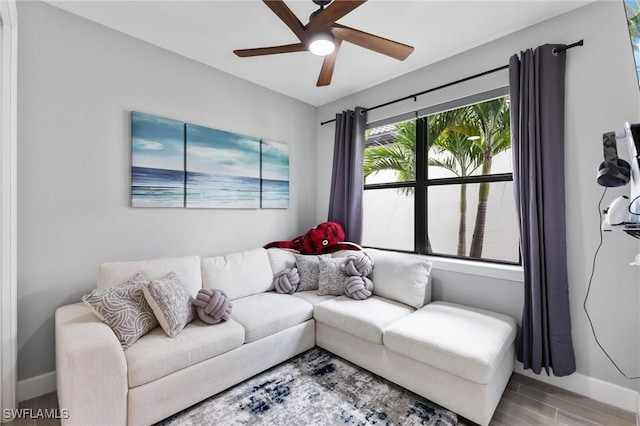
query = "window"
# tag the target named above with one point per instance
(442, 184)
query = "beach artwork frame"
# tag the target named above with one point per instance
(632, 11)
(157, 161)
(274, 175)
(177, 164)
(222, 169)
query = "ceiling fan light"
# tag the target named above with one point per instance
(322, 44)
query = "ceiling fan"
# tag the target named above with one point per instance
(322, 35)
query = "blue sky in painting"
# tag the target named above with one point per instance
(275, 161)
(632, 7)
(222, 153)
(156, 142)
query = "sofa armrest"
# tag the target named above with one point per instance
(91, 369)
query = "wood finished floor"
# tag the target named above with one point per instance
(525, 402)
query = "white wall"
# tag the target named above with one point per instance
(78, 81)
(601, 94)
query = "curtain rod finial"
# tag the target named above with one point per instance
(556, 50)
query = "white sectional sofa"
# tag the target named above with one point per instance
(455, 356)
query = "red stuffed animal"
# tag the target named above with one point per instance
(327, 237)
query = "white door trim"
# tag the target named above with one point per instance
(8, 211)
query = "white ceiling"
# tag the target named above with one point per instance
(209, 31)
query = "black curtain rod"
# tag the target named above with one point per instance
(462, 80)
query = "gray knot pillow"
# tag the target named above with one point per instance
(286, 282)
(358, 265)
(212, 306)
(357, 287)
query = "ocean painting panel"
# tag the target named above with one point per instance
(275, 175)
(157, 161)
(632, 9)
(223, 169)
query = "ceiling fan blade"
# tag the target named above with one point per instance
(336, 10)
(372, 42)
(329, 63)
(287, 16)
(260, 51)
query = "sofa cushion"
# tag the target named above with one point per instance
(366, 319)
(403, 277)
(312, 296)
(124, 309)
(281, 259)
(309, 270)
(331, 277)
(238, 274)
(188, 268)
(467, 342)
(155, 355)
(171, 303)
(265, 314)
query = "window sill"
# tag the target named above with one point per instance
(470, 267)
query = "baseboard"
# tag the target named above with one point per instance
(609, 393)
(597, 389)
(36, 386)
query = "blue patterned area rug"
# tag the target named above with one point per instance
(315, 388)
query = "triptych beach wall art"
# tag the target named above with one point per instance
(274, 175)
(177, 164)
(157, 161)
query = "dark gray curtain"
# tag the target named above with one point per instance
(347, 182)
(536, 81)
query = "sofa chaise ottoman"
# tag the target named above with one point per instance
(456, 356)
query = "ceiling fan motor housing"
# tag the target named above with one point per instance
(322, 4)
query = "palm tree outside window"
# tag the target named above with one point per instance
(442, 184)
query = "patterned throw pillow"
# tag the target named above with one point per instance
(124, 309)
(309, 270)
(332, 277)
(171, 303)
